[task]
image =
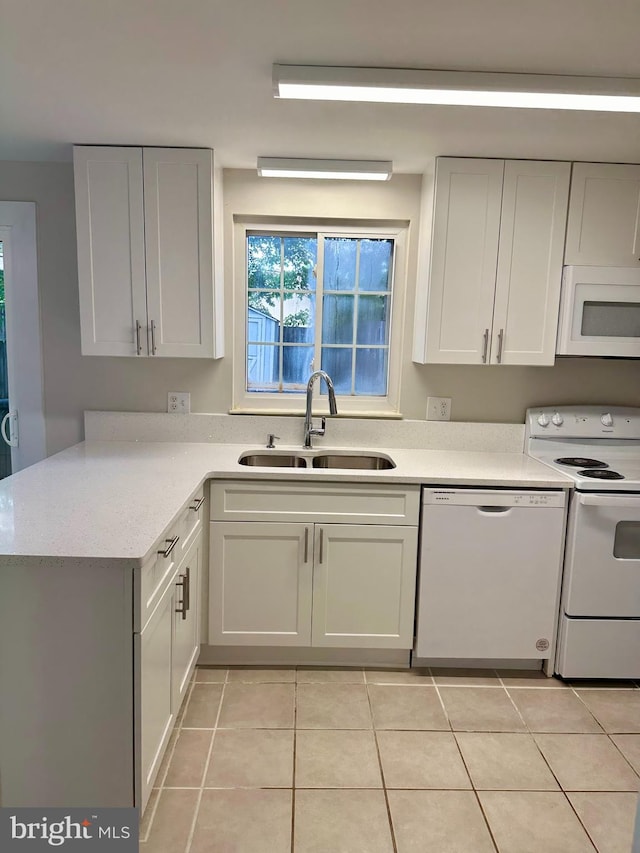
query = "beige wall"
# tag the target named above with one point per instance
(74, 383)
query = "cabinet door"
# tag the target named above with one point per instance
(178, 185)
(156, 714)
(111, 258)
(186, 622)
(464, 252)
(532, 231)
(603, 228)
(364, 586)
(260, 583)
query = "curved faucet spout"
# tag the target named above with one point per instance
(309, 429)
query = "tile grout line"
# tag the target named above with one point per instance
(464, 763)
(293, 771)
(206, 770)
(160, 786)
(382, 779)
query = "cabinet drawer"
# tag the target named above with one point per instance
(155, 576)
(189, 525)
(361, 503)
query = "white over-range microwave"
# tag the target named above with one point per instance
(600, 312)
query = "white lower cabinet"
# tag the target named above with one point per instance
(156, 702)
(260, 590)
(364, 582)
(293, 583)
(186, 622)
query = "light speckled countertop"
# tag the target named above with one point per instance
(112, 500)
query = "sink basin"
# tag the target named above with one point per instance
(273, 460)
(366, 461)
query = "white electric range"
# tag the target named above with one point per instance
(599, 448)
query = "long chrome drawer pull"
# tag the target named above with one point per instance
(153, 337)
(321, 545)
(485, 345)
(306, 545)
(197, 504)
(172, 544)
(500, 344)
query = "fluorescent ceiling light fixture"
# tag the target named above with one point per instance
(347, 170)
(461, 88)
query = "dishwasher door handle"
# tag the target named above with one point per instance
(489, 510)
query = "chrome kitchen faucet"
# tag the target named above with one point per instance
(309, 429)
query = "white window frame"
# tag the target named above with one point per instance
(246, 402)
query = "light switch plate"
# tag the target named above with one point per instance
(179, 401)
(438, 408)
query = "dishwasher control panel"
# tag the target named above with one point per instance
(492, 497)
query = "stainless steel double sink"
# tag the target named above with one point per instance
(334, 459)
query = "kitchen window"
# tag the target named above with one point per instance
(314, 300)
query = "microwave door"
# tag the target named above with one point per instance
(600, 318)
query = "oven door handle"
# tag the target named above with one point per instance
(607, 500)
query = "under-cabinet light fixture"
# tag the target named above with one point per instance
(461, 88)
(347, 170)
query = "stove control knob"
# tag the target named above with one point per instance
(557, 419)
(543, 420)
(606, 420)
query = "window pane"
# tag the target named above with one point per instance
(262, 326)
(296, 367)
(371, 372)
(339, 263)
(299, 318)
(300, 257)
(373, 320)
(375, 264)
(337, 320)
(263, 261)
(262, 367)
(337, 363)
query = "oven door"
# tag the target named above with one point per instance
(602, 561)
(599, 312)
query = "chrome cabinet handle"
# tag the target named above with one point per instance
(197, 504)
(172, 544)
(138, 342)
(321, 548)
(306, 545)
(485, 345)
(500, 342)
(184, 605)
(153, 337)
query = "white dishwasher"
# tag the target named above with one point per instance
(490, 569)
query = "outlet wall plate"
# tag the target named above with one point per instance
(438, 408)
(179, 402)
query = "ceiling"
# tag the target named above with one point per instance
(198, 73)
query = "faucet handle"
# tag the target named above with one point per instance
(270, 440)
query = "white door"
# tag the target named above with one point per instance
(111, 261)
(532, 230)
(178, 193)
(186, 623)
(602, 563)
(260, 583)
(466, 225)
(364, 586)
(21, 385)
(603, 228)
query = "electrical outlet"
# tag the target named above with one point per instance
(438, 408)
(179, 401)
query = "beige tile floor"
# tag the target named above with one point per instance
(364, 761)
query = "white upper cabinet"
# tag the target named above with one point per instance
(603, 228)
(496, 262)
(149, 281)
